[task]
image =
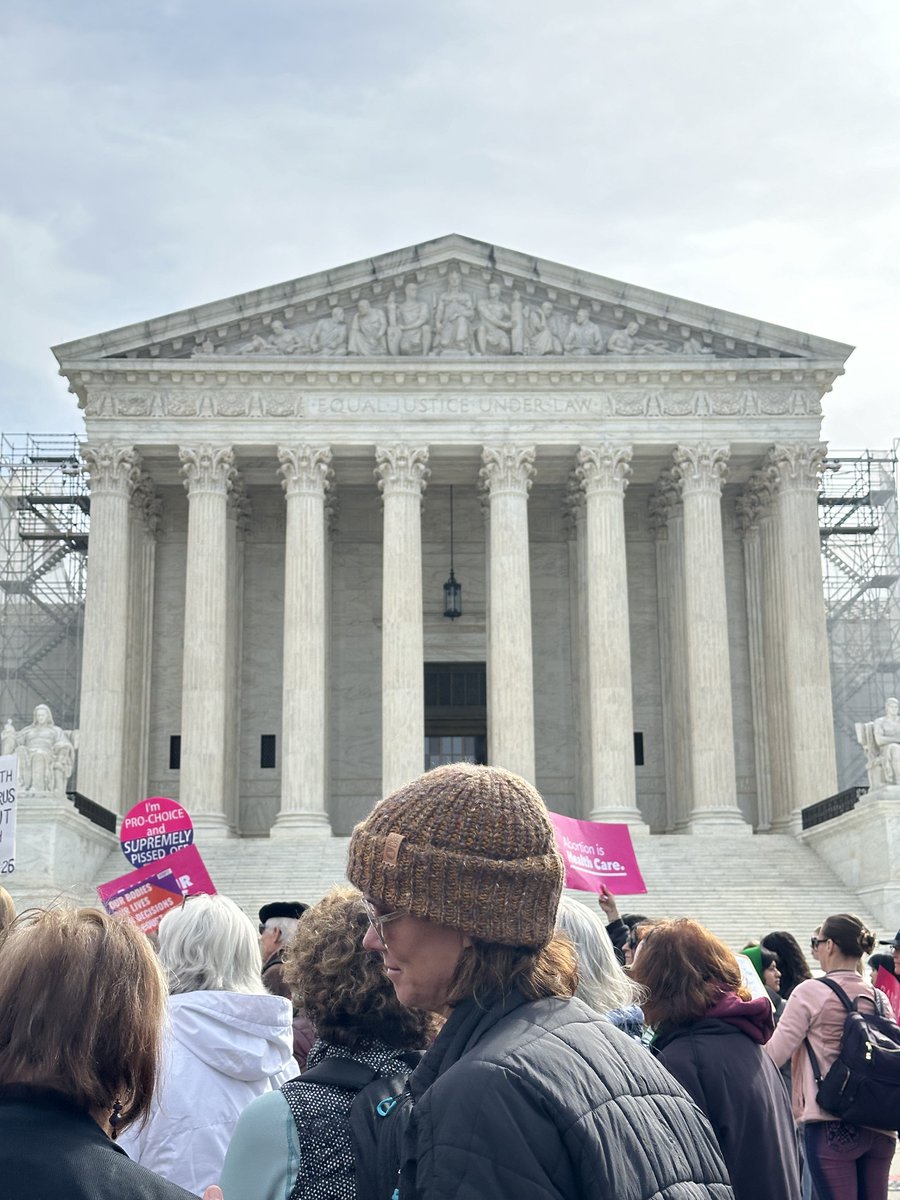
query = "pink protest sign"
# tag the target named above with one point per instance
(146, 895)
(597, 853)
(154, 828)
(891, 988)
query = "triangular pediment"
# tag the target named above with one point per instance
(450, 298)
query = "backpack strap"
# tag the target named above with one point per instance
(839, 992)
(813, 1061)
(853, 1005)
(339, 1072)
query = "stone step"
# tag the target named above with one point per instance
(741, 887)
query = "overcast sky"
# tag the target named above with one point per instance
(163, 155)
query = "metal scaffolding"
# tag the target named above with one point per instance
(861, 569)
(44, 517)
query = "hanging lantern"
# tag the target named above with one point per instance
(452, 589)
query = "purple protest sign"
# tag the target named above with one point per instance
(597, 853)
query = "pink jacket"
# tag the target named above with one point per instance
(813, 1011)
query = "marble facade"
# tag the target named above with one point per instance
(635, 494)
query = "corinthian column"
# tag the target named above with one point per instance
(306, 475)
(604, 471)
(146, 515)
(701, 471)
(208, 472)
(402, 472)
(667, 519)
(114, 472)
(506, 478)
(807, 675)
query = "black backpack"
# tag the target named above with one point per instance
(378, 1116)
(862, 1086)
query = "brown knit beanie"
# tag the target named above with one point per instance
(464, 846)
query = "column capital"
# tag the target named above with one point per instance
(207, 468)
(797, 466)
(574, 504)
(754, 501)
(604, 468)
(305, 469)
(507, 468)
(113, 467)
(701, 468)
(401, 469)
(663, 501)
(240, 510)
(147, 504)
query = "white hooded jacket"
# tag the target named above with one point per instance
(223, 1049)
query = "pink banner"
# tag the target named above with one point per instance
(597, 853)
(146, 895)
(891, 988)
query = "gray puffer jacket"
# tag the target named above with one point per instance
(528, 1100)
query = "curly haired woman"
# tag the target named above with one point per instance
(296, 1142)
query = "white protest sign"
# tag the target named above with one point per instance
(9, 770)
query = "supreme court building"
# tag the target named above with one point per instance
(631, 484)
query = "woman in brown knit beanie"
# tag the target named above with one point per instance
(526, 1092)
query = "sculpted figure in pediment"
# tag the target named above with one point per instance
(409, 323)
(517, 316)
(624, 341)
(330, 335)
(453, 318)
(693, 345)
(542, 338)
(495, 324)
(584, 336)
(287, 341)
(204, 349)
(367, 330)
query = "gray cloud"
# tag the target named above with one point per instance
(162, 156)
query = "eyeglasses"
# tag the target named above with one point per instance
(378, 920)
(815, 943)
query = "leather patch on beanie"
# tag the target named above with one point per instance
(392, 848)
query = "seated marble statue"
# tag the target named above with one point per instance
(46, 756)
(453, 318)
(881, 741)
(367, 330)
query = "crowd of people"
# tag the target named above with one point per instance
(448, 1025)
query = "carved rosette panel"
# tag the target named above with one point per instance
(305, 470)
(507, 469)
(207, 469)
(112, 468)
(701, 468)
(147, 504)
(797, 467)
(401, 469)
(663, 501)
(605, 468)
